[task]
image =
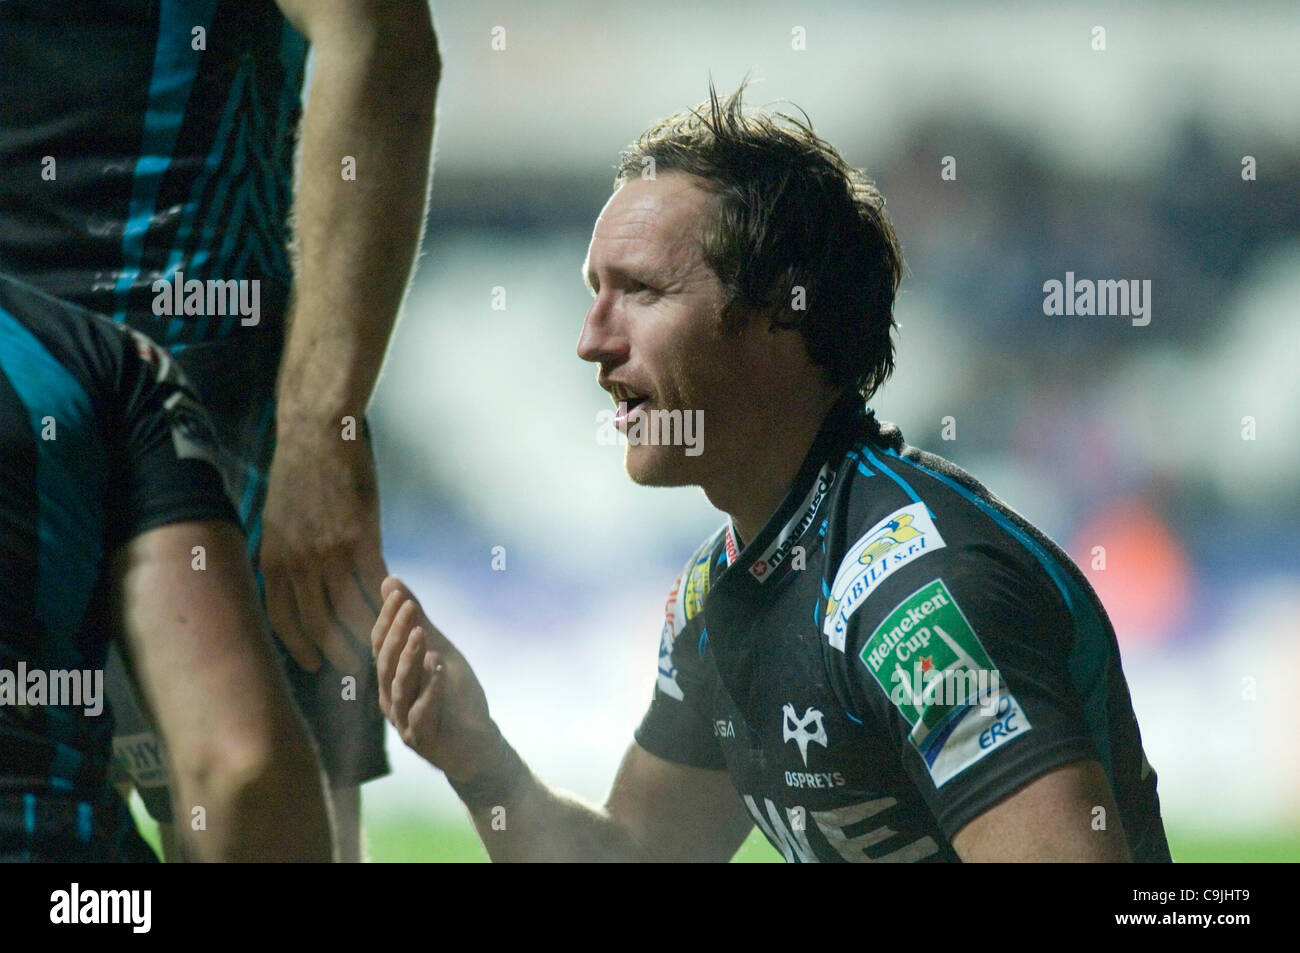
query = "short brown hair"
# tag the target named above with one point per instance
(790, 213)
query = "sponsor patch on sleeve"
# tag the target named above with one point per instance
(902, 536)
(684, 603)
(673, 625)
(697, 587)
(927, 658)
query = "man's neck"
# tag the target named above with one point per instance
(756, 485)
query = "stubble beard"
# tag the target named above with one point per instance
(658, 466)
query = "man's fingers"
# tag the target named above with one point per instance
(282, 612)
(393, 644)
(387, 612)
(435, 640)
(370, 570)
(406, 680)
(393, 584)
(317, 622)
(350, 605)
(424, 711)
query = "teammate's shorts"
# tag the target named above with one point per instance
(46, 828)
(236, 382)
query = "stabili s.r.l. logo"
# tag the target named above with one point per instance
(902, 536)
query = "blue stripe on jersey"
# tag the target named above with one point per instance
(71, 475)
(64, 767)
(29, 814)
(61, 726)
(231, 214)
(293, 62)
(85, 821)
(907, 487)
(210, 166)
(250, 514)
(1090, 653)
(253, 476)
(174, 68)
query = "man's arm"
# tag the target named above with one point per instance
(656, 810)
(1049, 819)
(359, 208)
(238, 747)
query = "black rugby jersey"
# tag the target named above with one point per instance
(101, 439)
(893, 654)
(146, 141)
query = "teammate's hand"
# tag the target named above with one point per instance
(427, 688)
(320, 555)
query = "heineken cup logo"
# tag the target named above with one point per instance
(927, 657)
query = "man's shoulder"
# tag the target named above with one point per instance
(693, 583)
(897, 483)
(911, 517)
(881, 450)
(88, 347)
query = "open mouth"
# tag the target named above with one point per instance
(627, 401)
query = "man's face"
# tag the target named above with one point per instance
(655, 330)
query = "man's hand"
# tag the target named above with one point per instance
(428, 690)
(370, 104)
(656, 810)
(320, 554)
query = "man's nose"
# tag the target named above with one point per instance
(601, 341)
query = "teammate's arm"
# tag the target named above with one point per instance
(237, 745)
(359, 208)
(656, 810)
(1055, 817)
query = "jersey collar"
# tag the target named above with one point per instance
(768, 554)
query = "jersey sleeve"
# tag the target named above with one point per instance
(677, 726)
(967, 664)
(166, 450)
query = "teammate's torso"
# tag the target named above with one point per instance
(100, 440)
(827, 659)
(145, 141)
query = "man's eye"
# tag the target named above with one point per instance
(639, 287)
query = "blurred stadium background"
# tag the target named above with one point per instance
(1122, 163)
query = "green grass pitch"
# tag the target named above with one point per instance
(406, 839)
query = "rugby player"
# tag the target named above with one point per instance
(874, 659)
(114, 524)
(147, 173)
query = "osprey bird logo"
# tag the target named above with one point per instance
(796, 729)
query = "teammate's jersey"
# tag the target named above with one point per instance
(893, 654)
(100, 440)
(146, 156)
(146, 141)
